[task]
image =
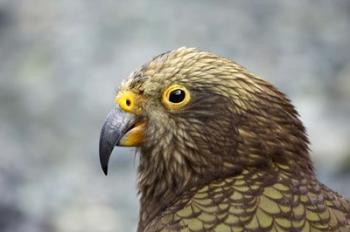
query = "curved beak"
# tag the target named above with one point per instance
(119, 129)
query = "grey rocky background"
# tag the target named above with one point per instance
(62, 60)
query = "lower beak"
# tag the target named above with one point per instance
(120, 129)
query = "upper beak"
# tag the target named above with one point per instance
(119, 129)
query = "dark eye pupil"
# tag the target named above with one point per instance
(177, 96)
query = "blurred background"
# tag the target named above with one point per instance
(61, 62)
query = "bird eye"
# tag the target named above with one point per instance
(175, 97)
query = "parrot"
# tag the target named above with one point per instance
(219, 149)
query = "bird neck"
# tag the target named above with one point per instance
(156, 197)
(161, 184)
(161, 181)
(153, 206)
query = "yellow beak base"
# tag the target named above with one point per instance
(134, 136)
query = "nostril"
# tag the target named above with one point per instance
(128, 102)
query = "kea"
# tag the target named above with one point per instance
(219, 149)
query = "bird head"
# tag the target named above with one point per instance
(194, 116)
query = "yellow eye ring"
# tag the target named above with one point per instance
(175, 97)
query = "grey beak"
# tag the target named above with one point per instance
(116, 125)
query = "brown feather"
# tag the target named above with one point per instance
(235, 158)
